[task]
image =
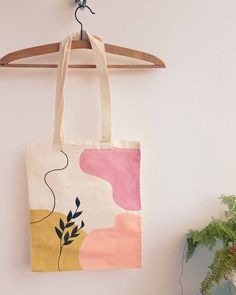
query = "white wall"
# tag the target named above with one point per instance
(184, 116)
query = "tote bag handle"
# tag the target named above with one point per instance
(101, 64)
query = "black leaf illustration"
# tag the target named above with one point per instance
(69, 224)
(74, 231)
(59, 233)
(62, 225)
(77, 214)
(77, 202)
(66, 237)
(69, 216)
(70, 235)
(82, 224)
(68, 242)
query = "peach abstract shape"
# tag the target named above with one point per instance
(121, 168)
(116, 247)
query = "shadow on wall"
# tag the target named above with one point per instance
(195, 271)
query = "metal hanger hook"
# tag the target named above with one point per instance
(82, 4)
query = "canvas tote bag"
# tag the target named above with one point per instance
(84, 197)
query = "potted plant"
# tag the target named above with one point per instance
(222, 233)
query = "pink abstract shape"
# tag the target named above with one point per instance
(121, 168)
(116, 247)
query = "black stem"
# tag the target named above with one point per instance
(76, 210)
(61, 247)
(59, 257)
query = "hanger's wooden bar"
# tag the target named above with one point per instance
(82, 66)
(54, 47)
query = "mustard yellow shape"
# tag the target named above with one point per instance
(45, 244)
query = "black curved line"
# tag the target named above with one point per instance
(54, 197)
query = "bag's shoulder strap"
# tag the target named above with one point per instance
(101, 63)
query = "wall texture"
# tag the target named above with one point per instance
(184, 117)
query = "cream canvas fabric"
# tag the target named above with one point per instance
(84, 197)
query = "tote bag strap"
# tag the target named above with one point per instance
(101, 64)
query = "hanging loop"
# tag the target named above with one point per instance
(82, 4)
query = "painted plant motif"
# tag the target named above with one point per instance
(59, 241)
(68, 230)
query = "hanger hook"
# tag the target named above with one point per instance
(82, 4)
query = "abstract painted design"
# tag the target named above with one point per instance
(45, 246)
(116, 247)
(64, 235)
(120, 167)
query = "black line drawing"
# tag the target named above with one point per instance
(53, 194)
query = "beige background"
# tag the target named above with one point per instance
(184, 116)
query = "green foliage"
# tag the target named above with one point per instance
(222, 266)
(230, 202)
(224, 231)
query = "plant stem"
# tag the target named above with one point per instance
(76, 210)
(59, 257)
(61, 246)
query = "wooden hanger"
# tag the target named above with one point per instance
(81, 43)
(152, 61)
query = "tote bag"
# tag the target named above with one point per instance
(84, 197)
